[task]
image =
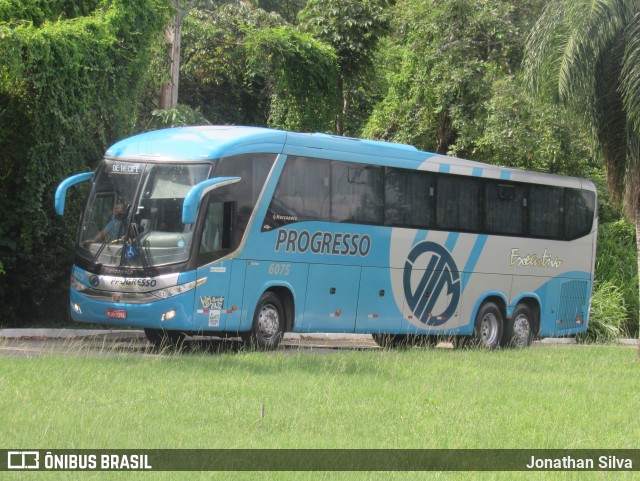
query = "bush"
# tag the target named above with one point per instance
(70, 80)
(617, 265)
(181, 116)
(608, 316)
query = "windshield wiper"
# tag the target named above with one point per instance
(108, 238)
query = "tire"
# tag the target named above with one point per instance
(268, 325)
(519, 330)
(161, 339)
(488, 327)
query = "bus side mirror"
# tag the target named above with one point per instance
(61, 191)
(197, 192)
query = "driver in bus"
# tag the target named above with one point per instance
(114, 228)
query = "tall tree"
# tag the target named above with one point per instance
(353, 28)
(70, 83)
(214, 72)
(442, 61)
(586, 54)
(173, 34)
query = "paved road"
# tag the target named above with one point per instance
(114, 344)
(38, 342)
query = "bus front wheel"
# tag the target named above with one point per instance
(518, 331)
(268, 323)
(488, 326)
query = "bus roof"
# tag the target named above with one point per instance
(212, 142)
(198, 143)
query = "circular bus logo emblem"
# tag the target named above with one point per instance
(431, 283)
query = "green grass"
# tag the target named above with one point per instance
(543, 397)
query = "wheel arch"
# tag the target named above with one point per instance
(496, 297)
(285, 294)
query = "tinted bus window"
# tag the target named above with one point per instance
(504, 208)
(302, 192)
(579, 210)
(357, 193)
(546, 207)
(408, 196)
(458, 203)
(229, 208)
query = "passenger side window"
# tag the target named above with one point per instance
(546, 211)
(408, 198)
(303, 192)
(504, 208)
(458, 203)
(579, 211)
(357, 193)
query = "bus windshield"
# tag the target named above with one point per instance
(133, 217)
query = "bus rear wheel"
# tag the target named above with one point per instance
(267, 329)
(488, 326)
(518, 331)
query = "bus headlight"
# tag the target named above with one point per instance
(77, 285)
(176, 290)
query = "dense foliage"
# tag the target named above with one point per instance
(214, 64)
(615, 296)
(584, 54)
(353, 28)
(442, 62)
(446, 76)
(69, 83)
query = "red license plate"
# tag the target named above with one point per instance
(116, 313)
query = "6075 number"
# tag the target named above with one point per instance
(279, 269)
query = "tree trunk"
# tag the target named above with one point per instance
(444, 133)
(173, 33)
(341, 108)
(637, 216)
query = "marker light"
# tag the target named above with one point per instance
(168, 315)
(76, 308)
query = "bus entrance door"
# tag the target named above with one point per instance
(211, 303)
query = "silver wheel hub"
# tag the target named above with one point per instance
(268, 321)
(521, 330)
(489, 329)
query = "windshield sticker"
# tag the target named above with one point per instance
(126, 168)
(333, 243)
(532, 260)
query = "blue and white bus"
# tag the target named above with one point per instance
(252, 232)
